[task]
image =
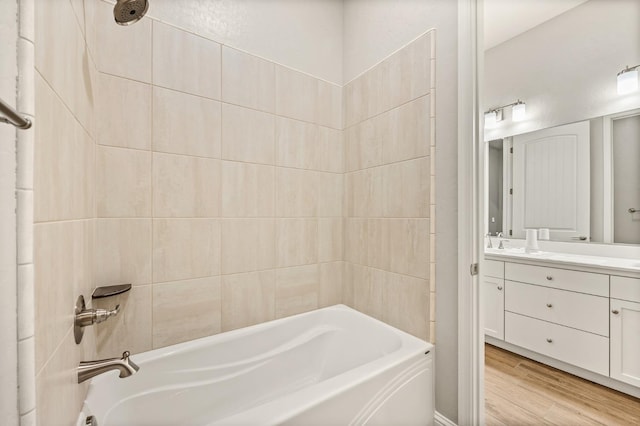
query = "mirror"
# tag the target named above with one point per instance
(572, 164)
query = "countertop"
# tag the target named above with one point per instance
(609, 265)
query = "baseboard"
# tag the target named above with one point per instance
(441, 420)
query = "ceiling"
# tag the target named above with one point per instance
(505, 19)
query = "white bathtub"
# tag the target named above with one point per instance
(333, 366)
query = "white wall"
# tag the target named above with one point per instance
(373, 29)
(279, 30)
(565, 69)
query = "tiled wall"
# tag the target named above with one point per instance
(389, 230)
(219, 186)
(64, 203)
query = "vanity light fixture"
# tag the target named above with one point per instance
(494, 115)
(628, 80)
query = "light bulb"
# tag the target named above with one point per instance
(490, 119)
(627, 81)
(519, 111)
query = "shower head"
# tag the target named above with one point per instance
(127, 12)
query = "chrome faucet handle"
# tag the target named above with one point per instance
(85, 317)
(489, 244)
(501, 246)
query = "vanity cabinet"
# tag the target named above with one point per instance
(625, 330)
(493, 299)
(559, 313)
(584, 319)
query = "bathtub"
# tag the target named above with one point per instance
(332, 366)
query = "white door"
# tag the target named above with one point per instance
(625, 341)
(626, 179)
(551, 182)
(492, 299)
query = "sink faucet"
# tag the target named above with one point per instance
(502, 240)
(89, 369)
(489, 244)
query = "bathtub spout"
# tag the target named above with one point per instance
(89, 369)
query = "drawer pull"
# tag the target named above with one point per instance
(549, 278)
(549, 305)
(549, 340)
(499, 287)
(615, 312)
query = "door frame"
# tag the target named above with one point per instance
(607, 154)
(470, 213)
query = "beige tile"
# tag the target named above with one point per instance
(353, 97)
(329, 194)
(175, 51)
(185, 310)
(330, 239)
(248, 190)
(123, 251)
(330, 289)
(58, 56)
(406, 304)
(185, 249)
(406, 74)
(409, 247)
(306, 98)
(297, 143)
(134, 61)
(185, 186)
(124, 110)
(363, 145)
(405, 131)
(368, 291)
(58, 393)
(365, 192)
(247, 135)
(296, 193)
(63, 269)
(123, 187)
(63, 161)
(248, 80)
(297, 290)
(247, 245)
(378, 243)
(131, 329)
(350, 274)
(296, 242)
(186, 124)
(356, 244)
(248, 299)
(406, 189)
(330, 150)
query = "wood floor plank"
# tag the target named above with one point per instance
(517, 388)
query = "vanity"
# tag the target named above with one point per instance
(562, 154)
(577, 313)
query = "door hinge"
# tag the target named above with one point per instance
(510, 232)
(510, 191)
(511, 150)
(474, 269)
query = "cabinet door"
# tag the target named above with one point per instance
(625, 341)
(492, 293)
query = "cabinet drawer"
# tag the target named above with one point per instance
(577, 310)
(582, 282)
(625, 288)
(493, 268)
(582, 349)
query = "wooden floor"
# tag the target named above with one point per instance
(519, 391)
